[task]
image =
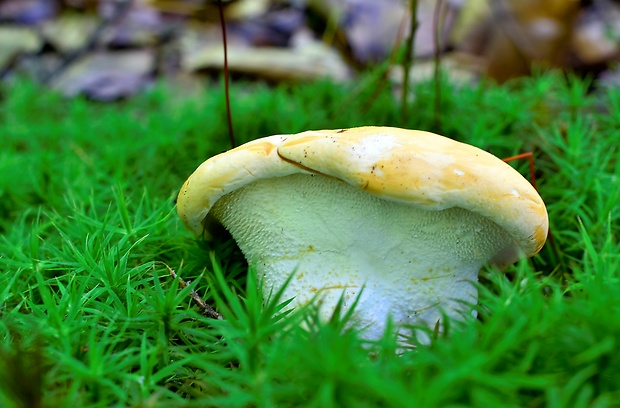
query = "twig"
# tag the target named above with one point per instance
(391, 62)
(409, 51)
(530, 157)
(226, 79)
(438, 19)
(206, 309)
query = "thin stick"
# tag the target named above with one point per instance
(530, 157)
(407, 61)
(206, 309)
(438, 17)
(391, 62)
(226, 80)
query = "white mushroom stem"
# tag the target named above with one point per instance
(412, 263)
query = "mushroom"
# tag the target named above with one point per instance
(400, 220)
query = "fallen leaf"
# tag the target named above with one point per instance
(15, 40)
(70, 31)
(107, 76)
(309, 61)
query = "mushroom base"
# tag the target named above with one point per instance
(400, 260)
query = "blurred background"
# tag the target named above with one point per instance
(112, 49)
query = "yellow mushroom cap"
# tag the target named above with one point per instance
(418, 168)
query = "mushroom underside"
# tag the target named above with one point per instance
(411, 263)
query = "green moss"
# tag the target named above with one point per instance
(89, 315)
